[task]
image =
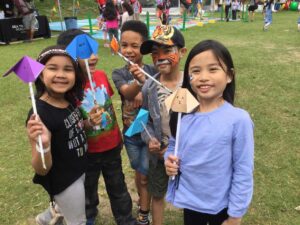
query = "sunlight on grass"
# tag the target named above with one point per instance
(267, 66)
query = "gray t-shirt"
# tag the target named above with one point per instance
(123, 76)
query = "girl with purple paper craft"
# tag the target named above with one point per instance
(214, 166)
(60, 123)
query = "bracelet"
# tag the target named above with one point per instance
(45, 149)
(139, 83)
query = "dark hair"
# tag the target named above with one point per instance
(67, 36)
(76, 92)
(225, 60)
(128, 8)
(110, 11)
(136, 26)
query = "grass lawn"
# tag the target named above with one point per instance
(268, 86)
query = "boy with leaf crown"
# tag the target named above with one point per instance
(167, 47)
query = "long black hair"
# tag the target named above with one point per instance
(76, 92)
(110, 11)
(128, 8)
(225, 61)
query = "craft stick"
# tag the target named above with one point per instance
(97, 127)
(177, 137)
(147, 132)
(144, 72)
(36, 118)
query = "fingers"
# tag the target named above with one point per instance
(171, 165)
(95, 115)
(34, 127)
(137, 73)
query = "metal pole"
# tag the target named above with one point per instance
(60, 15)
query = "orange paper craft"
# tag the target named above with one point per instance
(114, 44)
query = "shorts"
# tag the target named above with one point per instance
(252, 8)
(157, 179)
(30, 22)
(137, 152)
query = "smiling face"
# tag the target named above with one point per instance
(92, 61)
(208, 78)
(58, 75)
(130, 46)
(165, 58)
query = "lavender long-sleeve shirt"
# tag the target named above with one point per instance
(216, 151)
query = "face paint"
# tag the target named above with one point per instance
(165, 55)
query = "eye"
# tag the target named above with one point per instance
(213, 69)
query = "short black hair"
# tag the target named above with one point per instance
(66, 37)
(136, 26)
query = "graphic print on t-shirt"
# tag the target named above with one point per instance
(76, 138)
(105, 106)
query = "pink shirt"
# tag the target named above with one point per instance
(112, 24)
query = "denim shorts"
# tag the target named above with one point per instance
(137, 152)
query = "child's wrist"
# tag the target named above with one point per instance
(45, 149)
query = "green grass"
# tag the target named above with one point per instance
(268, 69)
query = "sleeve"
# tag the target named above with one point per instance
(171, 147)
(241, 191)
(118, 79)
(149, 126)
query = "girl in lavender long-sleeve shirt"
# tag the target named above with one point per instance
(214, 165)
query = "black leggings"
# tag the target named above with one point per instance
(196, 218)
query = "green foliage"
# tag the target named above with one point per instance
(267, 67)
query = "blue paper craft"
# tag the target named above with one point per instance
(82, 46)
(27, 69)
(137, 125)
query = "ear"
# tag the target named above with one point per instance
(229, 79)
(230, 76)
(182, 52)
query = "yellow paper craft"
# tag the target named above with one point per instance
(181, 101)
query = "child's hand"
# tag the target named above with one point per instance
(137, 74)
(35, 127)
(95, 116)
(154, 146)
(172, 165)
(138, 100)
(232, 221)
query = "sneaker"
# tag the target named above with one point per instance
(142, 223)
(49, 217)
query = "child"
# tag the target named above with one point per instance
(227, 8)
(111, 16)
(60, 124)
(251, 9)
(133, 33)
(163, 11)
(235, 7)
(127, 12)
(104, 148)
(268, 14)
(214, 166)
(137, 9)
(167, 48)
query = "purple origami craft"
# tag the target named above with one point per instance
(27, 69)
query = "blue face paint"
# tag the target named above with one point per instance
(191, 77)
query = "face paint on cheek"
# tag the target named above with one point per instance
(173, 58)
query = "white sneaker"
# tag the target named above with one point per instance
(49, 217)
